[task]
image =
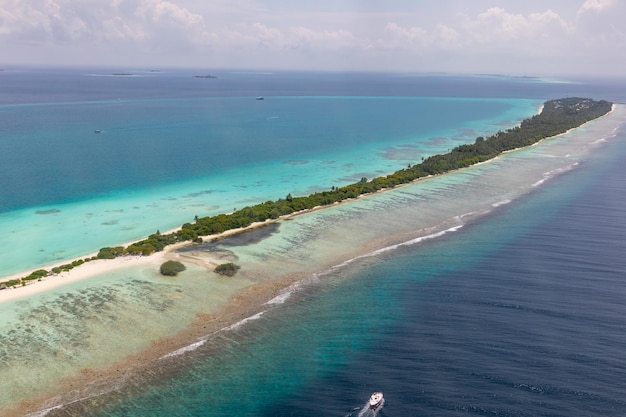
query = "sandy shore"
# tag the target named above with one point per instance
(82, 272)
(246, 303)
(101, 266)
(90, 382)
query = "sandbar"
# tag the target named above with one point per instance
(246, 303)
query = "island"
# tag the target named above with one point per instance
(556, 117)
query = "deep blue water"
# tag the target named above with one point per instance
(520, 314)
(161, 128)
(523, 314)
(171, 146)
(166, 127)
(153, 142)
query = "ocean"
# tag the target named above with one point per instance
(172, 146)
(497, 290)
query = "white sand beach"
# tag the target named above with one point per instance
(82, 272)
(100, 266)
(145, 318)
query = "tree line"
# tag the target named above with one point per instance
(557, 116)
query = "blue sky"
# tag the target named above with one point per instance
(547, 37)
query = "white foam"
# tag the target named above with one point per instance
(45, 412)
(501, 203)
(392, 247)
(189, 348)
(603, 139)
(280, 298)
(288, 292)
(550, 174)
(244, 321)
(199, 343)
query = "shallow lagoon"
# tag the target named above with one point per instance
(306, 248)
(67, 192)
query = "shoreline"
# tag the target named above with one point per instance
(94, 382)
(100, 266)
(84, 271)
(244, 304)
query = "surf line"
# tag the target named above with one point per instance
(282, 298)
(195, 345)
(286, 294)
(396, 246)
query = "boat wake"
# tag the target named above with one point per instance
(366, 411)
(373, 405)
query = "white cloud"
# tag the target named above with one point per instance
(119, 29)
(41, 21)
(165, 12)
(595, 6)
(268, 35)
(448, 34)
(496, 25)
(492, 28)
(323, 39)
(396, 36)
(272, 38)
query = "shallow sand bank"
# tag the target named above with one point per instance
(96, 267)
(312, 243)
(85, 271)
(102, 266)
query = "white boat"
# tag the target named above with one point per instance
(376, 401)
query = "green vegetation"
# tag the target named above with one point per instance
(558, 116)
(111, 253)
(229, 269)
(70, 266)
(36, 275)
(172, 268)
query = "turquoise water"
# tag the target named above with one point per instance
(160, 162)
(515, 313)
(450, 295)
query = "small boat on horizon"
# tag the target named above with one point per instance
(97, 131)
(260, 98)
(376, 401)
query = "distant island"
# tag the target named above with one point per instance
(205, 76)
(556, 117)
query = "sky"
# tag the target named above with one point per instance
(530, 37)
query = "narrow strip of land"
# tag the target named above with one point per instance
(556, 117)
